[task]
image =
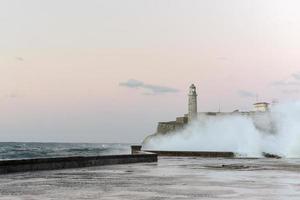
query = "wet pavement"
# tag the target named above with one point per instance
(170, 178)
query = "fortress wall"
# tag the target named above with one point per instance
(11, 166)
(182, 120)
(166, 127)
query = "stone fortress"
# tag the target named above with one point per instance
(260, 116)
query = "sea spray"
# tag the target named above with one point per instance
(274, 132)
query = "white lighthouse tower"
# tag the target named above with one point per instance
(192, 103)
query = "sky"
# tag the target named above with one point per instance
(109, 70)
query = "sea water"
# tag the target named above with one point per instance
(19, 150)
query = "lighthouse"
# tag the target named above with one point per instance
(192, 103)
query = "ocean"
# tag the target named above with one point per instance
(19, 150)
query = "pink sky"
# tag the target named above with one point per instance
(62, 62)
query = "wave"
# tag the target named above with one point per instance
(275, 132)
(40, 150)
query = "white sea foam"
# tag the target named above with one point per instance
(275, 132)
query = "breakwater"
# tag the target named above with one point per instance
(206, 154)
(12, 166)
(136, 149)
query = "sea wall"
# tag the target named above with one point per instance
(11, 166)
(206, 154)
(136, 149)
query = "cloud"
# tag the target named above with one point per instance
(131, 83)
(296, 91)
(296, 76)
(19, 58)
(278, 83)
(150, 89)
(11, 96)
(159, 89)
(286, 83)
(293, 80)
(246, 94)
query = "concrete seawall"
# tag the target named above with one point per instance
(206, 154)
(11, 166)
(136, 149)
